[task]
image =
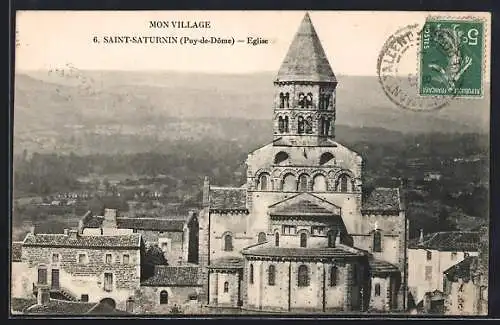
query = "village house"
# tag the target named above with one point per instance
(431, 255)
(177, 236)
(73, 267)
(300, 235)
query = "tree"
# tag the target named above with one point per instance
(152, 256)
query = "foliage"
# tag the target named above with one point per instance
(153, 256)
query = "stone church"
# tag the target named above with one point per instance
(299, 236)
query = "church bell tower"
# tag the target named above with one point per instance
(304, 106)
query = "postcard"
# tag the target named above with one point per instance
(250, 163)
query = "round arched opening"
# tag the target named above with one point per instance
(108, 301)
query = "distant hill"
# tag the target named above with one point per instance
(50, 108)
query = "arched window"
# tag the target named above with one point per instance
(309, 100)
(319, 183)
(280, 157)
(281, 124)
(263, 180)
(271, 275)
(300, 125)
(377, 289)
(282, 100)
(262, 237)
(129, 306)
(302, 100)
(226, 286)
(303, 276)
(286, 124)
(250, 275)
(277, 239)
(303, 183)
(289, 183)
(287, 100)
(228, 242)
(331, 238)
(303, 239)
(324, 102)
(309, 125)
(344, 180)
(325, 158)
(163, 297)
(333, 276)
(377, 241)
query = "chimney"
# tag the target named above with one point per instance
(66, 232)
(73, 234)
(421, 238)
(206, 189)
(43, 297)
(109, 218)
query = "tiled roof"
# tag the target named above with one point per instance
(301, 252)
(173, 276)
(16, 251)
(381, 267)
(303, 207)
(228, 198)
(227, 263)
(448, 241)
(382, 199)
(61, 240)
(151, 224)
(61, 307)
(306, 60)
(461, 270)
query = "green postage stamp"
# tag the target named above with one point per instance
(452, 58)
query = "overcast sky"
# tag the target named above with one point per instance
(352, 40)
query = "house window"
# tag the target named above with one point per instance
(262, 237)
(429, 255)
(250, 276)
(453, 256)
(483, 293)
(447, 286)
(333, 276)
(303, 276)
(42, 275)
(428, 273)
(331, 239)
(228, 242)
(226, 287)
(303, 183)
(303, 239)
(108, 282)
(126, 259)
(108, 258)
(277, 239)
(84, 298)
(55, 258)
(289, 230)
(377, 289)
(377, 241)
(271, 275)
(163, 297)
(82, 258)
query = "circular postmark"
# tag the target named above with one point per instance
(397, 71)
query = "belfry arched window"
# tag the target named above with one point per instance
(281, 124)
(309, 125)
(302, 100)
(377, 241)
(303, 276)
(303, 180)
(303, 239)
(300, 125)
(344, 180)
(287, 100)
(271, 275)
(309, 100)
(282, 100)
(228, 242)
(286, 124)
(263, 182)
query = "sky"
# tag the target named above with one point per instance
(351, 40)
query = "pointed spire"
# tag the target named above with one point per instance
(306, 60)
